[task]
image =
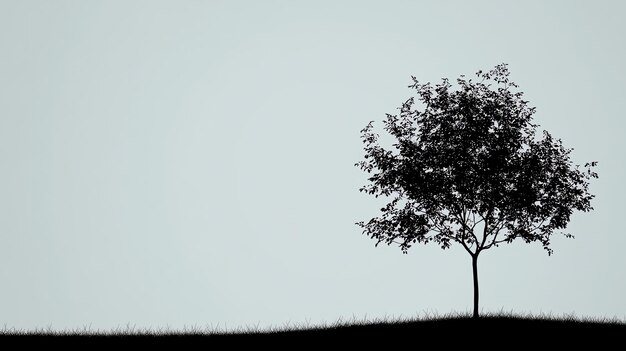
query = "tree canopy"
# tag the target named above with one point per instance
(468, 167)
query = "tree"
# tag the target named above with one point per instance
(468, 168)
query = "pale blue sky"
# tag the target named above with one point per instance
(191, 162)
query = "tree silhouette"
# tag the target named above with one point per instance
(468, 168)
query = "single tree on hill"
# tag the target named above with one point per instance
(468, 167)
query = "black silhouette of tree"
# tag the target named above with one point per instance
(467, 168)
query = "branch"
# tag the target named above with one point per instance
(463, 221)
(494, 241)
(482, 244)
(460, 216)
(500, 241)
(499, 225)
(538, 225)
(466, 229)
(474, 226)
(428, 235)
(465, 246)
(435, 224)
(474, 220)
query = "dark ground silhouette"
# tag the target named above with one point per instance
(484, 333)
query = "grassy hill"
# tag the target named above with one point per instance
(495, 331)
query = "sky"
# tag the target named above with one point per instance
(177, 163)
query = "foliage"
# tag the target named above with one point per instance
(467, 167)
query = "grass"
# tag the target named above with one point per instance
(450, 329)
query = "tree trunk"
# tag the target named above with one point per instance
(475, 273)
